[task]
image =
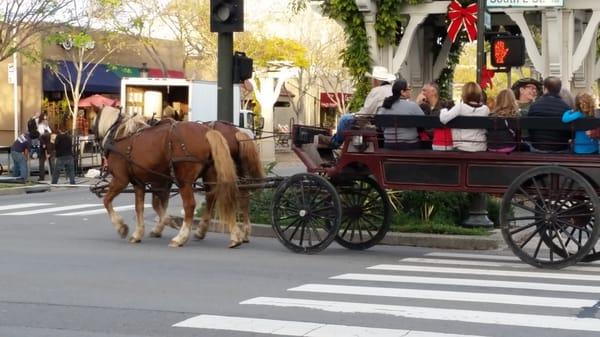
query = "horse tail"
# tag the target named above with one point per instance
(249, 156)
(225, 189)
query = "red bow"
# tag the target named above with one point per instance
(486, 78)
(462, 16)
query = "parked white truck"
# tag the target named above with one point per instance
(191, 100)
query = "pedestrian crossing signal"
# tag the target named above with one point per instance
(226, 16)
(508, 51)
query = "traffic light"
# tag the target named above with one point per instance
(242, 67)
(508, 51)
(226, 16)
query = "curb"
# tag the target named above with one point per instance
(24, 189)
(441, 241)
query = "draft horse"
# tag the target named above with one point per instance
(246, 157)
(158, 156)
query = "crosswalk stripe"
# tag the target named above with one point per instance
(459, 296)
(26, 205)
(469, 282)
(487, 272)
(102, 210)
(296, 328)
(473, 256)
(52, 209)
(490, 264)
(456, 315)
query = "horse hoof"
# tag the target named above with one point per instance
(245, 241)
(134, 240)
(199, 236)
(233, 244)
(123, 231)
(174, 244)
(155, 235)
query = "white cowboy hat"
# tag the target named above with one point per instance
(382, 74)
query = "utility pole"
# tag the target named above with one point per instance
(225, 77)
(478, 215)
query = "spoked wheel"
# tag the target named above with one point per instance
(365, 213)
(547, 217)
(306, 213)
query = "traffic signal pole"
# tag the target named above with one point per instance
(225, 76)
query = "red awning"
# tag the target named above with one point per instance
(329, 99)
(155, 72)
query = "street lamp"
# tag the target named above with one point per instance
(144, 70)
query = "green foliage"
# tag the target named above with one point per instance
(389, 19)
(265, 49)
(403, 223)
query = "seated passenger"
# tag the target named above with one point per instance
(442, 137)
(398, 104)
(503, 138)
(549, 105)
(584, 107)
(381, 81)
(469, 140)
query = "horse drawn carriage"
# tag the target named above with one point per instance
(547, 215)
(549, 200)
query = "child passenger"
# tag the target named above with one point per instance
(584, 107)
(469, 140)
(503, 138)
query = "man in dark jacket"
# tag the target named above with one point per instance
(549, 105)
(63, 148)
(19, 152)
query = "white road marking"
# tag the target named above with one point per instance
(469, 282)
(296, 328)
(26, 205)
(102, 210)
(455, 315)
(52, 209)
(460, 296)
(490, 264)
(487, 272)
(474, 256)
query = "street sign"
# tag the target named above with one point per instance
(12, 73)
(525, 3)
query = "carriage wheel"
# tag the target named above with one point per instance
(545, 216)
(306, 213)
(365, 213)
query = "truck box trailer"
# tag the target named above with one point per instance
(192, 100)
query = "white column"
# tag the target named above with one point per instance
(406, 43)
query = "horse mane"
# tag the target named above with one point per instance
(130, 126)
(108, 116)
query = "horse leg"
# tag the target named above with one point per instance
(189, 205)
(114, 189)
(138, 233)
(160, 203)
(206, 216)
(244, 204)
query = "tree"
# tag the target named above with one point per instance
(84, 49)
(22, 20)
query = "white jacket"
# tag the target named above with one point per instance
(475, 139)
(374, 99)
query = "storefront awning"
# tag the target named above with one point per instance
(102, 80)
(154, 72)
(330, 99)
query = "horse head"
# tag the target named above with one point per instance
(106, 118)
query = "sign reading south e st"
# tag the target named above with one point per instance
(525, 3)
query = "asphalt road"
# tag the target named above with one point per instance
(70, 275)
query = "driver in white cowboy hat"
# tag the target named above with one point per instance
(382, 88)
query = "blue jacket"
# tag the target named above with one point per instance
(582, 143)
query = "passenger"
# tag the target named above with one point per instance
(429, 99)
(398, 104)
(549, 105)
(526, 92)
(503, 139)
(584, 107)
(382, 88)
(442, 137)
(470, 140)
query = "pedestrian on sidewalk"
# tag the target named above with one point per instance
(44, 131)
(63, 148)
(19, 152)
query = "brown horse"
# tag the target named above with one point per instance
(161, 155)
(245, 154)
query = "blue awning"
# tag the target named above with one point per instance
(102, 80)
